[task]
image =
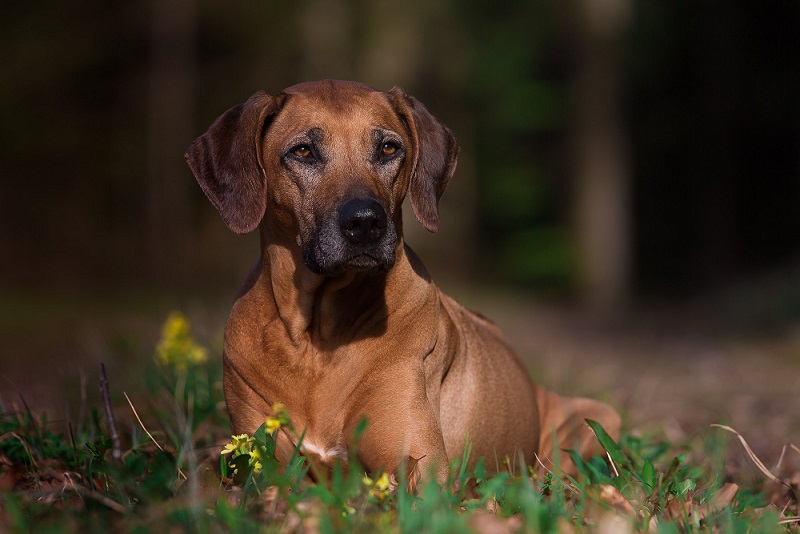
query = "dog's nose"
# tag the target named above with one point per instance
(363, 221)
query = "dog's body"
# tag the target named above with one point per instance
(339, 320)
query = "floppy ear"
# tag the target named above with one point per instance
(435, 154)
(226, 160)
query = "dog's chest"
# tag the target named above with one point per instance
(320, 417)
(324, 452)
(322, 440)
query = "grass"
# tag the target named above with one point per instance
(168, 474)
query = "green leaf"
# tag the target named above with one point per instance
(493, 488)
(685, 486)
(240, 469)
(480, 470)
(267, 447)
(360, 428)
(649, 476)
(673, 468)
(223, 466)
(265, 441)
(135, 464)
(608, 444)
(578, 461)
(598, 467)
(99, 448)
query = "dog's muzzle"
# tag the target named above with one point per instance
(359, 237)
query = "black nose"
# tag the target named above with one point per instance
(363, 221)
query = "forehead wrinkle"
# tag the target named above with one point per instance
(346, 122)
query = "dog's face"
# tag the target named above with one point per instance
(336, 162)
(328, 163)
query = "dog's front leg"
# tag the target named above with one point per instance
(405, 441)
(247, 409)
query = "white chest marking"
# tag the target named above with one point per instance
(325, 454)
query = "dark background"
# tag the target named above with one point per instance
(691, 106)
(617, 156)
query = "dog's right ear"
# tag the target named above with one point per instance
(226, 160)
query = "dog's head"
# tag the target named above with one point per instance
(327, 163)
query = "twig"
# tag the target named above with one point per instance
(751, 454)
(759, 464)
(83, 493)
(116, 452)
(149, 435)
(31, 420)
(102, 499)
(613, 464)
(780, 459)
(140, 422)
(27, 410)
(72, 442)
(84, 401)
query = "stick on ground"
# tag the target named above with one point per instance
(116, 452)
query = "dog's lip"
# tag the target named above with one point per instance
(361, 258)
(362, 255)
(366, 262)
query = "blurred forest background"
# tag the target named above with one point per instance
(615, 153)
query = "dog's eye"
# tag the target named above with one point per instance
(302, 152)
(389, 150)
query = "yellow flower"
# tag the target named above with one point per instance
(255, 460)
(379, 489)
(196, 355)
(177, 348)
(279, 418)
(272, 424)
(241, 445)
(382, 484)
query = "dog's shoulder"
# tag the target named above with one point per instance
(477, 319)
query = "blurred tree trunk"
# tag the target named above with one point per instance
(328, 39)
(602, 174)
(169, 127)
(714, 198)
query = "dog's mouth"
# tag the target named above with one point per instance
(326, 263)
(365, 262)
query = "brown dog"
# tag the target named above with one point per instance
(339, 319)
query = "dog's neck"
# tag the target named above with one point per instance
(316, 308)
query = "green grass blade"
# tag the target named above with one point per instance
(608, 443)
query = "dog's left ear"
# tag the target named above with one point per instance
(226, 160)
(434, 157)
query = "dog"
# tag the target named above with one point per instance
(339, 320)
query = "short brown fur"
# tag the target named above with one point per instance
(339, 330)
